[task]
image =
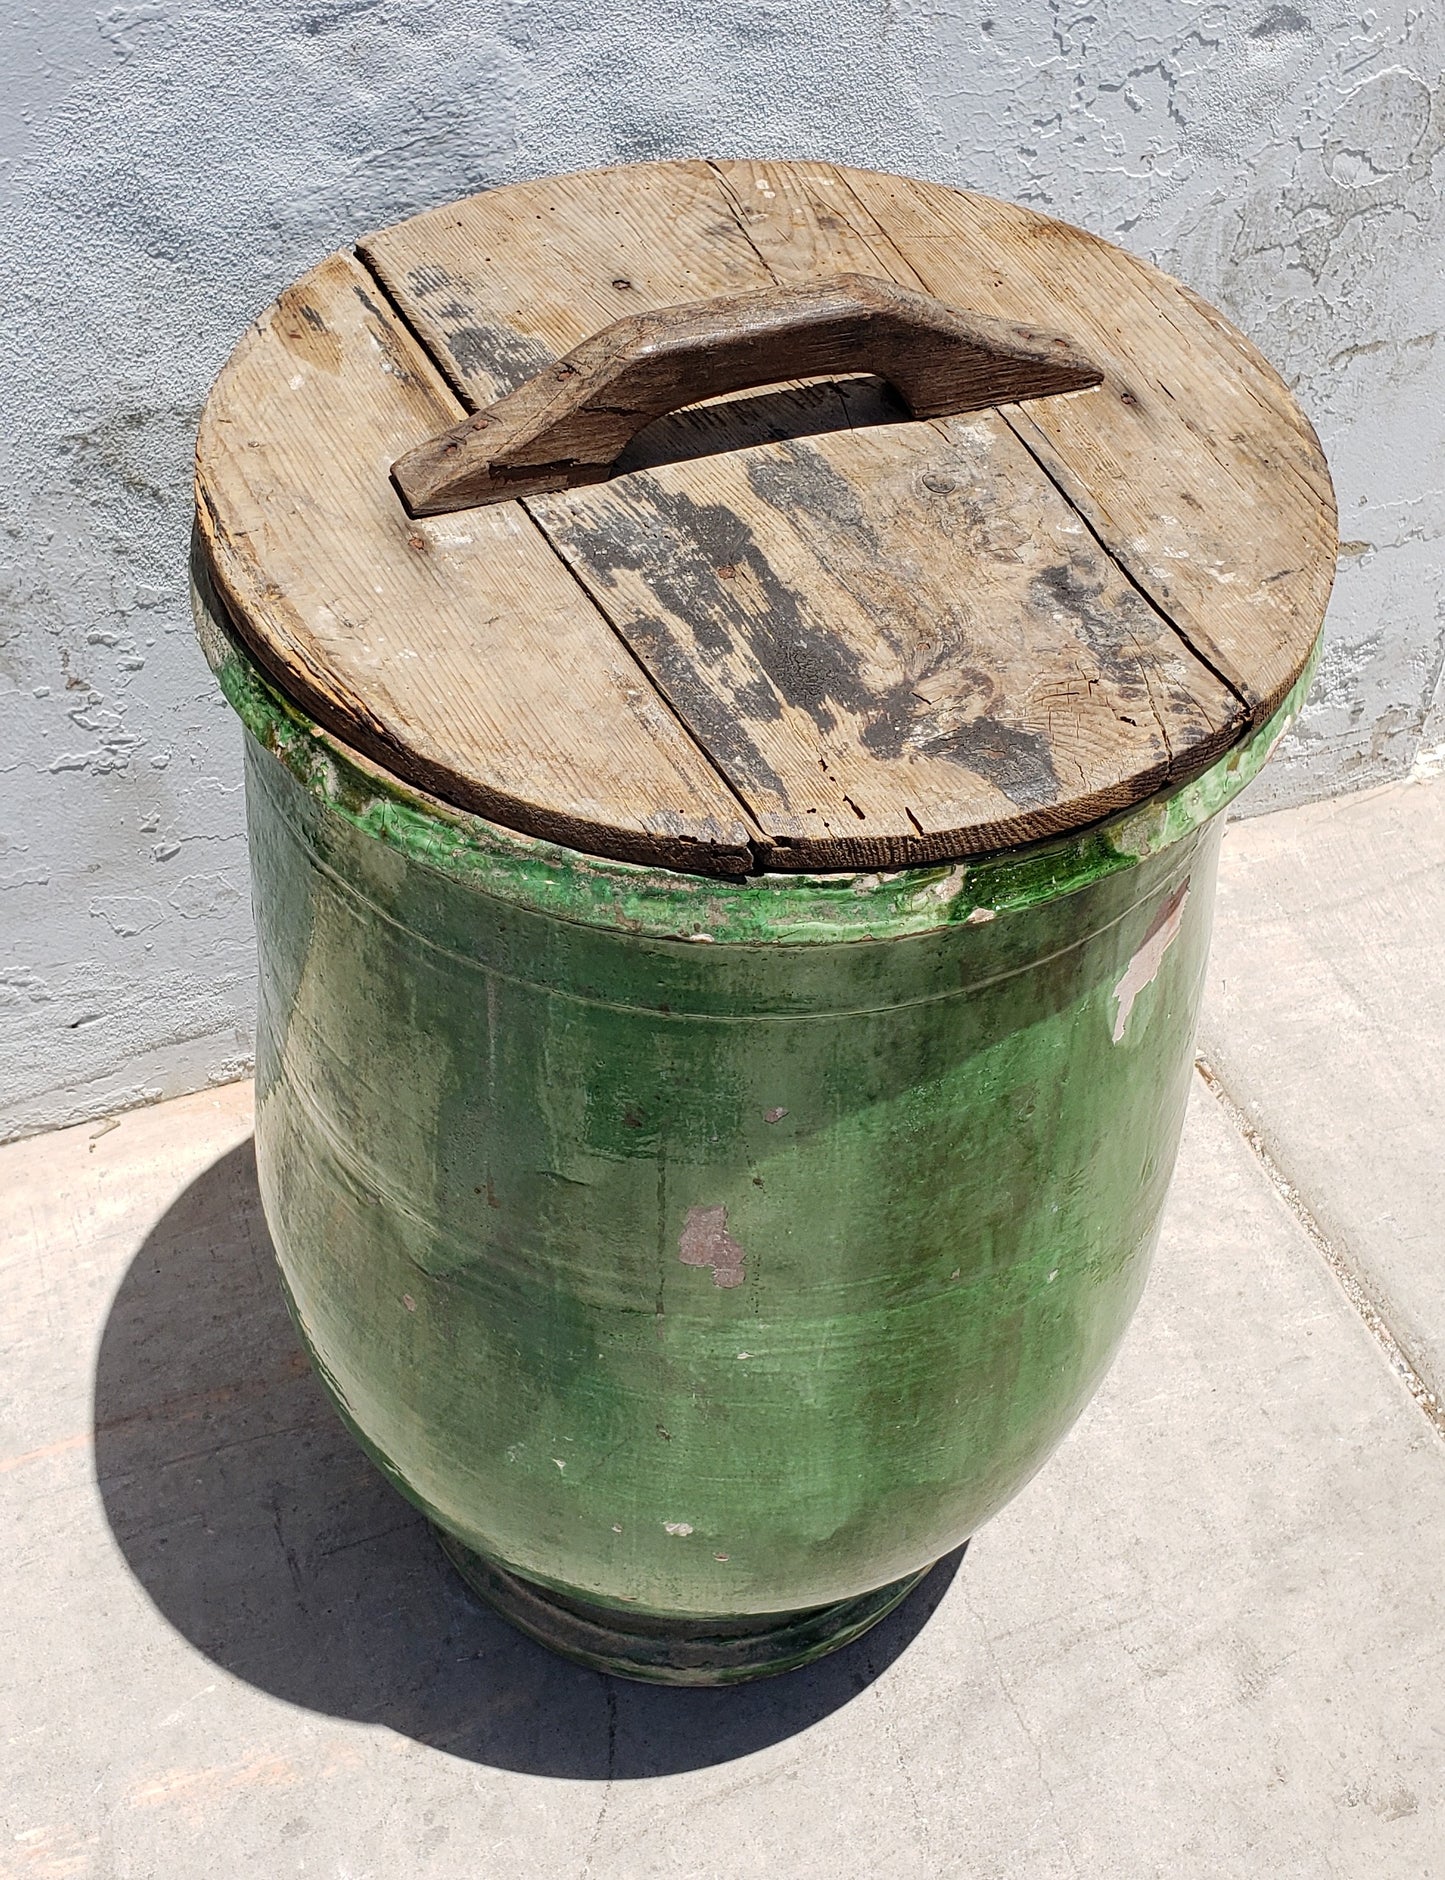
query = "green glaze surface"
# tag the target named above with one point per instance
(700, 1249)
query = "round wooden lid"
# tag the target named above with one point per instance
(1019, 531)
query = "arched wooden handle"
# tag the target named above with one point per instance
(569, 424)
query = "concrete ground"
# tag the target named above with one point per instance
(1209, 1640)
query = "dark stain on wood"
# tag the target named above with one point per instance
(304, 333)
(492, 353)
(428, 278)
(715, 724)
(491, 358)
(1018, 760)
(678, 546)
(797, 480)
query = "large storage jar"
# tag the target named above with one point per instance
(743, 665)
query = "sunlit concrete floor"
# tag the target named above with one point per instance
(1208, 1640)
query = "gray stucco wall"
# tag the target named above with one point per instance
(173, 165)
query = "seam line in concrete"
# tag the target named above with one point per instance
(1348, 1280)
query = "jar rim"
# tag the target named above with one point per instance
(665, 904)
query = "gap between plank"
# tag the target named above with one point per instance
(1344, 1274)
(904, 272)
(758, 842)
(446, 366)
(897, 265)
(1128, 573)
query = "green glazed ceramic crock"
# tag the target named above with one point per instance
(707, 1258)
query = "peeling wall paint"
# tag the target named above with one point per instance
(166, 168)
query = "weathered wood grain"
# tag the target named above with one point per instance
(884, 590)
(458, 653)
(898, 643)
(896, 640)
(1193, 463)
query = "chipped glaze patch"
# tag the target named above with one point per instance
(1144, 967)
(706, 1242)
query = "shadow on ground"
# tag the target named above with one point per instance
(264, 1536)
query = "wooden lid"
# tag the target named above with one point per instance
(923, 601)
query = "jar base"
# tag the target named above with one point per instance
(656, 1650)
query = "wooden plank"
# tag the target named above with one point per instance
(897, 643)
(503, 283)
(459, 653)
(1192, 462)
